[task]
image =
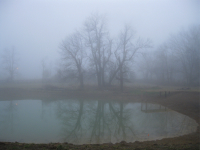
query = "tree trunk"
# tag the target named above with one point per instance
(81, 81)
(102, 75)
(80, 76)
(113, 76)
(99, 79)
(121, 80)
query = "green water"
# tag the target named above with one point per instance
(81, 121)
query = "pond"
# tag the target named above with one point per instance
(89, 122)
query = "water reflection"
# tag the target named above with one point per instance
(149, 108)
(71, 116)
(81, 121)
(8, 116)
(101, 122)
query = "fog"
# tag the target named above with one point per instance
(36, 29)
(114, 73)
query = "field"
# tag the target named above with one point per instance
(183, 100)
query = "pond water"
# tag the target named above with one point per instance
(84, 122)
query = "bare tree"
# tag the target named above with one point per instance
(9, 61)
(73, 55)
(177, 59)
(186, 45)
(165, 64)
(147, 66)
(46, 72)
(100, 45)
(125, 52)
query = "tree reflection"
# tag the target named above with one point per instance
(161, 122)
(71, 117)
(46, 109)
(7, 116)
(98, 122)
(92, 122)
(123, 124)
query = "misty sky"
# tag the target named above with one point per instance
(37, 27)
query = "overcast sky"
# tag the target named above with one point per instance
(36, 27)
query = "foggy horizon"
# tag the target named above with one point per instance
(99, 74)
(37, 28)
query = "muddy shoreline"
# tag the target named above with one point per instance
(185, 102)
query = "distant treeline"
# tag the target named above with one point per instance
(175, 61)
(91, 54)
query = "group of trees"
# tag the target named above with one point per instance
(9, 62)
(177, 60)
(92, 53)
(92, 49)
